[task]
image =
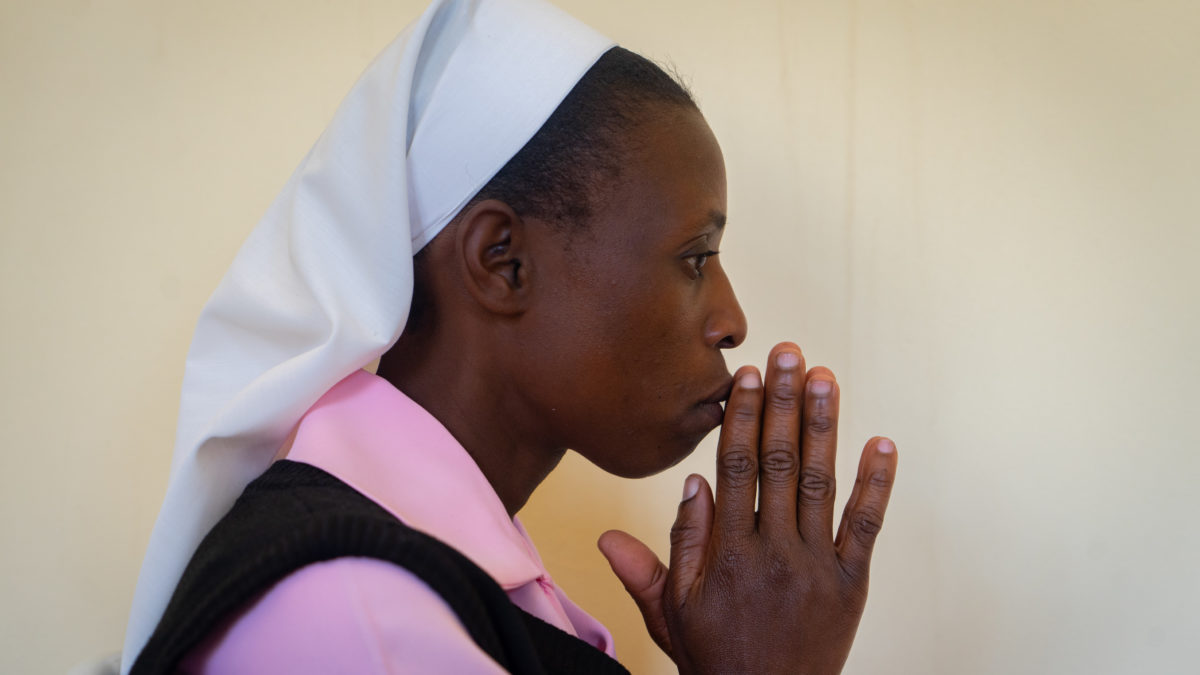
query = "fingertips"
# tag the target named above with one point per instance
(783, 348)
(886, 448)
(878, 476)
(613, 541)
(818, 442)
(821, 371)
(747, 380)
(879, 454)
(691, 532)
(743, 410)
(632, 561)
(643, 577)
(785, 378)
(697, 498)
(779, 452)
(737, 452)
(863, 519)
(822, 397)
(878, 481)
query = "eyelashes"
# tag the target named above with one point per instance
(696, 262)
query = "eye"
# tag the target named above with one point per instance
(696, 263)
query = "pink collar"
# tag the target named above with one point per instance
(378, 440)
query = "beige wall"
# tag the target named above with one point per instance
(982, 214)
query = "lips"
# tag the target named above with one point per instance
(711, 410)
(721, 393)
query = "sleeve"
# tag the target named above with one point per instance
(350, 615)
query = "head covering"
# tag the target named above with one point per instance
(323, 285)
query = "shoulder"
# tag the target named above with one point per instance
(358, 615)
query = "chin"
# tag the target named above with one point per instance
(646, 461)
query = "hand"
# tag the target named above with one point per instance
(770, 591)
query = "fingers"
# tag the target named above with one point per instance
(737, 455)
(818, 442)
(643, 577)
(863, 517)
(690, 536)
(779, 456)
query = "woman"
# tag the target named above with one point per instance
(565, 200)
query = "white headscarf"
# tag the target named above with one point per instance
(323, 285)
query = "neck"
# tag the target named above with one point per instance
(473, 402)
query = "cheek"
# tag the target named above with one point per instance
(637, 364)
(662, 333)
(658, 359)
(628, 345)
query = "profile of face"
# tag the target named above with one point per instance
(635, 311)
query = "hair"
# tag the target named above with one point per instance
(562, 172)
(565, 170)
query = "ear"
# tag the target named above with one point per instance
(492, 249)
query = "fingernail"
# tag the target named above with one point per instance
(820, 387)
(690, 487)
(787, 360)
(885, 446)
(749, 380)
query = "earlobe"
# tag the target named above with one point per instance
(492, 251)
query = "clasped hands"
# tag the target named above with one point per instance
(772, 589)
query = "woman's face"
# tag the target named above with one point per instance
(631, 371)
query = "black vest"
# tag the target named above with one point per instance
(295, 515)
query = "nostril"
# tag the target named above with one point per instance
(727, 342)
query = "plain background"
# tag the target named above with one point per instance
(981, 214)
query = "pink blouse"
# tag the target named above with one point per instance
(363, 615)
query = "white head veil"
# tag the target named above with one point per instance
(323, 285)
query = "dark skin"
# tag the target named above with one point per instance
(608, 339)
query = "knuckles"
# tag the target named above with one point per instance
(658, 578)
(784, 400)
(880, 479)
(868, 519)
(737, 465)
(779, 461)
(682, 533)
(866, 523)
(820, 422)
(745, 414)
(816, 487)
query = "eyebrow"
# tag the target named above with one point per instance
(716, 219)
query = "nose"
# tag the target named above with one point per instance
(725, 327)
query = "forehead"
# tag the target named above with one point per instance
(671, 187)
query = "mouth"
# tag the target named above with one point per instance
(721, 393)
(712, 407)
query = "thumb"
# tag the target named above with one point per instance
(644, 578)
(689, 536)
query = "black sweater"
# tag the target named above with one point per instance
(295, 515)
